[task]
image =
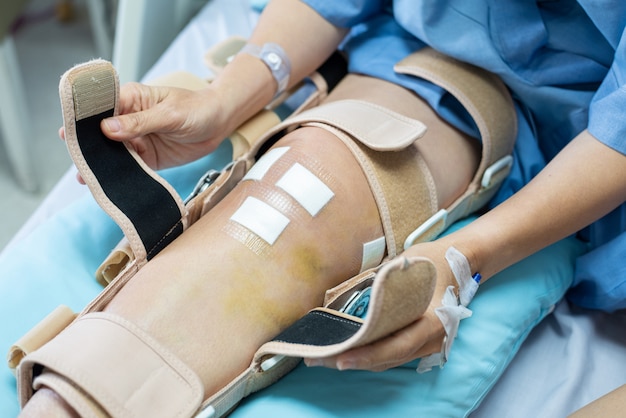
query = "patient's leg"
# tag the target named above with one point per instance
(232, 290)
(262, 257)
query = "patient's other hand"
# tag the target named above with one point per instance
(419, 339)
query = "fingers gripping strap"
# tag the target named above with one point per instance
(112, 363)
(119, 180)
(453, 309)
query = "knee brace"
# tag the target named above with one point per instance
(397, 291)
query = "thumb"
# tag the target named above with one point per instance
(129, 126)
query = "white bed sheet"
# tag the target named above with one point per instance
(573, 357)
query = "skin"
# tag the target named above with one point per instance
(172, 126)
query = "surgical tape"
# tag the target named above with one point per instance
(261, 219)
(306, 188)
(453, 309)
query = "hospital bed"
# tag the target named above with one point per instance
(536, 357)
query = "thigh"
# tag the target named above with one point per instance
(321, 249)
(451, 156)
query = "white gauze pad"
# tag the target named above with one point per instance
(261, 219)
(261, 167)
(306, 188)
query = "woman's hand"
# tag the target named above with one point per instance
(168, 126)
(419, 339)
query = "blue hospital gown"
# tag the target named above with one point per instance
(564, 62)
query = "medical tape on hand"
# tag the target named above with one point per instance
(468, 283)
(453, 309)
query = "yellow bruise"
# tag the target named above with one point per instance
(276, 294)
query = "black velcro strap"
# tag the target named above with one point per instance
(147, 204)
(319, 328)
(334, 69)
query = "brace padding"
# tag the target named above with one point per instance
(43, 332)
(117, 365)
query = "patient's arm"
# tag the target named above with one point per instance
(585, 181)
(170, 127)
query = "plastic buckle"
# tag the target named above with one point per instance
(358, 303)
(492, 175)
(206, 412)
(206, 181)
(271, 362)
(438, 218)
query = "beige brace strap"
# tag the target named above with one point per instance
(124, 370)
(489, 103)
(89, 93)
